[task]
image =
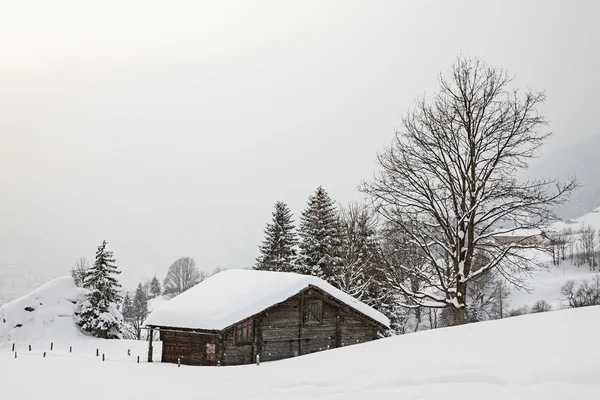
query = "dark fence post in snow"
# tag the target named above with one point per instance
(97, 353)
(51, 346)
(102, 356)
(44, 354)
(15, 354)
(29, 347)
(70, 349)
(138, 360)
(128, 352)
(13, 347)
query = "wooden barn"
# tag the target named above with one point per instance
(237, 315)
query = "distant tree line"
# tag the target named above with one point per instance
(580, 246)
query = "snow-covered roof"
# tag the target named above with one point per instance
(234, 295)
(517, 232)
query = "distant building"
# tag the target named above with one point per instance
(520, 236)
(237, 315)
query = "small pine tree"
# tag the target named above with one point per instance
(320, 239)
(140, 310)
(100, 276)
(127, 308)
(278, 251)
(155, 288)
(98, 313)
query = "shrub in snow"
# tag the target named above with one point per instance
(587, 294)
(515, 312)
(541, 306)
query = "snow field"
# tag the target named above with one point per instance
(543, 356)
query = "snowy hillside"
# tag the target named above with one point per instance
(535, 357)
(546, 284)
(44, 314)
(591, 219)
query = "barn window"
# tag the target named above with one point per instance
(211, 352)
(244, 333)
(313, 311)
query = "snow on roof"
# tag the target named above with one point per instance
(233, 295)
(518, 232)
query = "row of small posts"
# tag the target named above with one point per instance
(71, 351)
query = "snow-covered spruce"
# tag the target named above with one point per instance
(320, 238)
(278, 250)
(97, 312)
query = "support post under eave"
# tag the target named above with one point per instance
(150, 332)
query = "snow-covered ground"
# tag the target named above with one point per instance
(543, 356)
(47, 312)
(546, 285)
(591, 219)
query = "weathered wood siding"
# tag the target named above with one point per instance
(354, 330)
(191, 348)
(280, 331)
(234, 354)
(319, 336)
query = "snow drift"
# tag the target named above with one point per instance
(548, 356)
(45, 314)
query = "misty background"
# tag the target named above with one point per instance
(171, 128)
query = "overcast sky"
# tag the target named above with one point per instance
(171, 128)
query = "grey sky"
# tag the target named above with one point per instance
(171, 128)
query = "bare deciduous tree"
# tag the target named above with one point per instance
(541, 306)
(587, 294)
(587, 239)
(80, 270)
(358, 227)
(448, 181)
(183, 274)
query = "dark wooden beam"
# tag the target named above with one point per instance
(150, 351)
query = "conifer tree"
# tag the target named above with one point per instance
(97, 311)
(278, 251)
(101, 275)
(127, 308)
(320, 239)
(155, 288)
(140, 310)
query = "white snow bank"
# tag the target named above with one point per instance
(45, 314)
(233, 295)
(591, 219)
(549, 356)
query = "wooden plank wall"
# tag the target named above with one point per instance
(189, 347)
(280, 331)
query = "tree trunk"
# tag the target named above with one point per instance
(460, 316)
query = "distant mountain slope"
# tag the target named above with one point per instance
(16, 281)
(591, 219)
(579, 159)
